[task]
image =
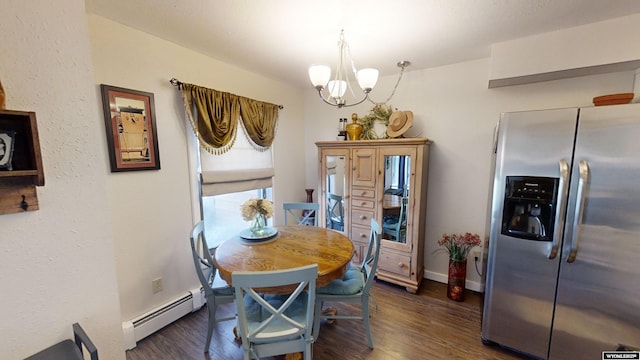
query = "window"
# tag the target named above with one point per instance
(227, 181)
(242, 166)
(222, 215)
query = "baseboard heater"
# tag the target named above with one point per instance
(146, 324)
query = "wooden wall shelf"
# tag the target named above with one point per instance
(18, 185)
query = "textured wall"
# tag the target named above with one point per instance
(152, 210)
(57, 264)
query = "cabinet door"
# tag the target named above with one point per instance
(397, 184)
(364, 167)
(333, 196)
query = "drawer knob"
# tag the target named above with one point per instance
(401, 264)
(362, 217)
(363, 203)
(363, 235)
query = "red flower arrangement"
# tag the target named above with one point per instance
(459, 245)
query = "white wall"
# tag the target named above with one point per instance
(151, 211)
(453, 107)
(583, 50)
(57, 264)
(81, 254)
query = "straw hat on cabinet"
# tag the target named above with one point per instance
(399, 123)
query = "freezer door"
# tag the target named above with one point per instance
(522, 273)
(598, 302)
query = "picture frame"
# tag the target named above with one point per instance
(7, 142)
(130, 122)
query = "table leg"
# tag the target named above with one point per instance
(236, 337)
(330, 311)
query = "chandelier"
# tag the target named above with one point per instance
(333, 91)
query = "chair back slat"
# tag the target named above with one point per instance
(275, 324)
(216, 292)
(335, 212)
(303, 213)
(202, 259)
(398, 226)
(370, 262)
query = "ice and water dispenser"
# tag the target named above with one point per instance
(529, 207)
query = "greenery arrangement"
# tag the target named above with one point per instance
(459, 245)
(379, 113)
(253, 207)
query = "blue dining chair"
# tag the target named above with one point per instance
(216, 290)
(396, 225)
(276, 324)
(335, 212)
(304, 213)
(353, 287)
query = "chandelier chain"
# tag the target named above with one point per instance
(392, 92)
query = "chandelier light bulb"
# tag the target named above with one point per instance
(337, 88)
(367, 79)
(319, 75)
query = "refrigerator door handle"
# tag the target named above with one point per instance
(579, 211)
(496, 132)
(560, 209)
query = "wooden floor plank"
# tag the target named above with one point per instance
(426, 325)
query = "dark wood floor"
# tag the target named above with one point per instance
(426, 325)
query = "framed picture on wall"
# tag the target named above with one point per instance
(130, 121)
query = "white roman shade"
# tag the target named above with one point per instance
(223, 182)
(242, 168)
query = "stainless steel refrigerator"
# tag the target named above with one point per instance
(563, 268)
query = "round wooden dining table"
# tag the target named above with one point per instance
(292, 247)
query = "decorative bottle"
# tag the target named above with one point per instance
(342, 134)
(311, 219)
(354, 129)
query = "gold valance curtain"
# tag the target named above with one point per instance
(217, 114)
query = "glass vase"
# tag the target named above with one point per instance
(258, 225)
(457, 278)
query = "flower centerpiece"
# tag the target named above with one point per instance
(458, 246)
(257, 211)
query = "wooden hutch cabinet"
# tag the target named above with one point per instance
(385, 180)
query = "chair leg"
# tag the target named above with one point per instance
(211, 309)
(365, 318)
(308, 355)
(317, 316)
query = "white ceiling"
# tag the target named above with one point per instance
(281, 38)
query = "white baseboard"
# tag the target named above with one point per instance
(146, 324)
(444, 278)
